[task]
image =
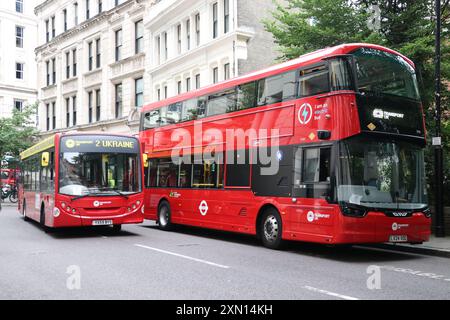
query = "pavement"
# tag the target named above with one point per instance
(143, 263)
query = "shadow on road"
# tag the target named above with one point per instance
(351, 254)
(83, 232)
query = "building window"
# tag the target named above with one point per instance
(67, 64)
(118, 104)
(54, 71)
(166, 92)
(88, 11)
(47, 109)
(98, 54)
(74, 110)
(19, 6)
(75, 13)
(166, 47)
(139, 92)
(90, 106)
(90, 56)
(19, 36)
(118, 45)
(179, 89)
(53, 27)
(54, 115)
(18, 105)
(98, 103)
(47, 30)
(65, 19)
(188, 34)
(215, 21)
(139, 34)
(100, 6)
(197, 81)
(188, 84)
(67, 112)
(197, 29)
(74, 62)
(47, 70)
(215, 75)
(226, 70)
(158, 94)
(158, 49)
(226, 15)
(19, 70)
(179, 38)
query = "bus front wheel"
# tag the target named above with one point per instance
(271, 229)
(164, 216)
(24, 211)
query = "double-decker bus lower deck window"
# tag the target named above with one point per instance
(314, 81)
(167, 174)
(209, 172)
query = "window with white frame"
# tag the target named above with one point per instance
(19, 36)
(19, 70)
(19, 6)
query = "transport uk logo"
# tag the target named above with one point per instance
(203, 208)
(305, 114)
(99, 203)
(396, 226)
(311, 216)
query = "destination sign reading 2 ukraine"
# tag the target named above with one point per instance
(101, 144)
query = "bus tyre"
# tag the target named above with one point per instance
(24, 211)
(117, 228)
(271, 229)
(164, 216)
(42, 221)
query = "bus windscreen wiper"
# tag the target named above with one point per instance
(89, 194)
(115, 191)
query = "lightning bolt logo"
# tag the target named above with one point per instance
(305, 113)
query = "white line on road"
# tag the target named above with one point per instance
(329, 293)
(183, 256)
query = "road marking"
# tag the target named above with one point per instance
(333, 294)
(183, 256)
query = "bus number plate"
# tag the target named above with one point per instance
(398, 239)
(102, 223)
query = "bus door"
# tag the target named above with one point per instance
(207, 193)
(313, 173)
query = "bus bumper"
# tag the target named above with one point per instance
(379, 228)
(71, 220)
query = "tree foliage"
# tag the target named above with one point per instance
(408, 26)
(17, 133)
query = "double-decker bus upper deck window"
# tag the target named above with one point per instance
(314, 81)
(189, 111)
(340, 74)
(174, 112)
(383, 73)
(246, 96)
(151, 119)
(222, 102)
(277, 88)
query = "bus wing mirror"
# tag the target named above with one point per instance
(45, 159)
(145, 160)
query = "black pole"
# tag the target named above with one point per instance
(438, 152)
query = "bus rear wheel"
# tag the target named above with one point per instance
(270, 229)
(164, 216)
(24, 211)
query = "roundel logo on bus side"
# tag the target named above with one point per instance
(305, 114)
(96, 204)
(70, 144)
(203, 208)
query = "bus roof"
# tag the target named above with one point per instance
(304, 60)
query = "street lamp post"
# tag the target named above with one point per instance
(437, 140)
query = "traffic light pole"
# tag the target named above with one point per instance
(437, 141)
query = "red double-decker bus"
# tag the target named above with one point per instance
(343, 129)
(82, 179)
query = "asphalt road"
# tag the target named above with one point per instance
(144, 263)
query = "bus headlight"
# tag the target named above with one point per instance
(138, 203)
(56, 212)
